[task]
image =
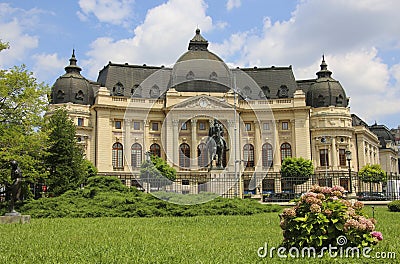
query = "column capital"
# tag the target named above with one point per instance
(193, 121)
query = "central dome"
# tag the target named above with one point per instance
(199, 70)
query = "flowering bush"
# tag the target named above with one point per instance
(322, 215)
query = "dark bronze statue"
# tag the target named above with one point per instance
(216, 144)
(14, 189)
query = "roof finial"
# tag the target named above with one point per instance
(72, 67)
(198, 42)
(324, 72)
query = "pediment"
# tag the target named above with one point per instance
(203, 102)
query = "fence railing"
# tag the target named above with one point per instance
(266, 186)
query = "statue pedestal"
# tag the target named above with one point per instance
(12, 218)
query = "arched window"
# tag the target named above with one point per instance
(117, 155)
(136, 155)
(202, 155)
(184, 155)
(286, 151)
(155, 150)
(267, 155)
(248, 155)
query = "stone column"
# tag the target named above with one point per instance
(146, 135)
(175, 141)
(194, 144)
(126, 134)
(277, 148)
(334, 154)
(231, 145)
(257, 147)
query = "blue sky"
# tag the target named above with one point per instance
(360, 39)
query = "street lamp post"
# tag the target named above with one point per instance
(348, 157)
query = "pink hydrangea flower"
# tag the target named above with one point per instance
(377, 235)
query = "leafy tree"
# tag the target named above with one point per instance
(22, 103)
(372, 173)
(157, 172)
(296, 170)
(65, 159)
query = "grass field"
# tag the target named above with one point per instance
(203, 239)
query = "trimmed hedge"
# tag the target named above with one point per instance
(394, 206)
(108, 197)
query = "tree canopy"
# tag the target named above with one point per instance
(23, 101)
(297, 170)
(65, 160)
(157, 172)
(372, 173)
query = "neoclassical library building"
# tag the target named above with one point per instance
(266, 115)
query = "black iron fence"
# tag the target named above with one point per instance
(266, 186)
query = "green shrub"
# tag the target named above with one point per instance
(394, 206)
(321, 217)
(106, 196)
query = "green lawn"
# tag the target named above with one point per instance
(203, 239)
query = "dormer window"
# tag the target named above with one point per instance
(154, 91)
(321, 100)
(266, 91)
(247, 91)
(213, 76)
(190, 75)
(339, 100)
(60, 94)
(283, 92)
(118, 89)
(79, 95)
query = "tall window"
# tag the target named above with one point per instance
(248, 155)
(202, 155)
(247, 126)
(154, 126)
(267, 155)
(118, 124)
(136, 125)
(323, 157)
(80, 121)
(286, 151)
(117, 155)
(285, 125)
(342, 157)
(184, 126)
(155, 150)
(184, 155)
(202, 126)
(136, 155)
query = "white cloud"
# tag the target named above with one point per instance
(160, 39)
(116, 12)
(231, 4)
(14, 24)
(48, 65)
(351, 32)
